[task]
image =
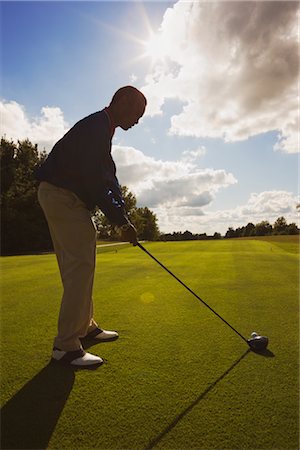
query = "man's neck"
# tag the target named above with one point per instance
(110, 114)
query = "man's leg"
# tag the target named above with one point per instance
(74, 239)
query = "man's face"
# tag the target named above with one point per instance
(132, 112)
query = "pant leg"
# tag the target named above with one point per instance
(74, 239)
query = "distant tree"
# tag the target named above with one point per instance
(239, 232)
(8, 164)
(263, 228)
(230, 233)
(280, 226)
(187, 236)
(145, 222)
(292, 229)
(249, 229)
(217, 235)
(23, 225)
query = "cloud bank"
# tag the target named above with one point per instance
(45, 129)
(234, 66)
(169, 184)
(267, 205)
(182, 195)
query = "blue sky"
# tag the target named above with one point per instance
(218, 145)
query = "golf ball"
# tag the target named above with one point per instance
(254, 334)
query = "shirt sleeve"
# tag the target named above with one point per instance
(112, 204)
(107, 188)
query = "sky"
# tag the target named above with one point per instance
(218, 146)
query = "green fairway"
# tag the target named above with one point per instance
(178, 377)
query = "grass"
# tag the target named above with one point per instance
(287, 243)
(177, 378)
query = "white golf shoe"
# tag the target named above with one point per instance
(102, 335)
(78, 358)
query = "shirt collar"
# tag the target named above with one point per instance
(111, 121)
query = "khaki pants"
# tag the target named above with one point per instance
(74, 239)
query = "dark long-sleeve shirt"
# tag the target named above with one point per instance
(81, 162)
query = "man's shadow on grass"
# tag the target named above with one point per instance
(29, 418)
(266, 353)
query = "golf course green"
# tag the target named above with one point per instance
(178, 377)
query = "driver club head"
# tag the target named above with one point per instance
(258, 343)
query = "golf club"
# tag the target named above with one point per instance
(256, 342)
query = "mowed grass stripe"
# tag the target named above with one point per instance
(173, 354)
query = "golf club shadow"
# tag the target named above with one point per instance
(186, 411)
(29, 418)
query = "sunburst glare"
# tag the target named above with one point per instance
(156, 47)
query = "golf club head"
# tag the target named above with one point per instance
(258, 343)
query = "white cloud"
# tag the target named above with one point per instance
(271, 203)
(169, 184)
(193, 155)
(44, 130)
(234, 65)
(133, 78)
(267, 205)
(182, 195)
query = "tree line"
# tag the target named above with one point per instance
(24, 228)
(188, 236)
(263, 228)
(23, 225)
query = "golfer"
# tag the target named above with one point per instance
(78, 175)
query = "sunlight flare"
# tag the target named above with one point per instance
(156, 47)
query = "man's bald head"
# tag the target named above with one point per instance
(129, 92)
(127, 106)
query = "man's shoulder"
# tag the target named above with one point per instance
(98, 116)
(90, 130)
(92, 123)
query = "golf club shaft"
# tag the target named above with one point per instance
(190, 290)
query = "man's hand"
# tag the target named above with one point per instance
(129, 234)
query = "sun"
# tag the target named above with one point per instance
(156, 47)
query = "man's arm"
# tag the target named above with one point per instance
(113, 206)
